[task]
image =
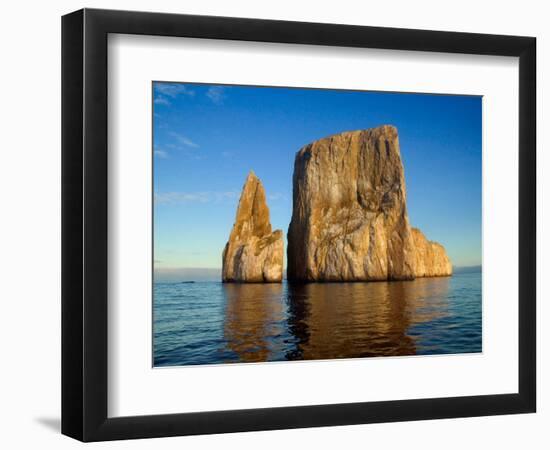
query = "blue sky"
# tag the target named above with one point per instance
(207, 138)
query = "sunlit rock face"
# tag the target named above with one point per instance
(349, 219)
(253, 253)
(431, 257)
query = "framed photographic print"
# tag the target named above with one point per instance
(273, 224)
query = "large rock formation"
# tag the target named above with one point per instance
(349, 219)
(253, 253)
(431, 258)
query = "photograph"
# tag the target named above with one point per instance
(314, 224)
(273, 226)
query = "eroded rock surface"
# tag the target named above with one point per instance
(431, 257)
(349, 219)
(253, 253)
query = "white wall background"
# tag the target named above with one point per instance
(30, 223)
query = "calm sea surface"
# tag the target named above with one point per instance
(214, 323)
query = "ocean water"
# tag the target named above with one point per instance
(216, 323)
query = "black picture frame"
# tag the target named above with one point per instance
(84, 224)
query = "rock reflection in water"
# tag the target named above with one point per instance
(254, 317)
(329, 320)
(347, 320)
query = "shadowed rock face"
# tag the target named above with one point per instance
(253, 253)
(431, 258)
(349, 219)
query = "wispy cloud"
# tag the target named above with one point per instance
(166, 91)
(160, 153)
(194, 197)
(216, 94)
(183, 140)
(227, 195)
(173, 89)
(160, 100)
(181, 197)
(275, 196)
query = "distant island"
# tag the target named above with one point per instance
(349, 219)
(467, 269)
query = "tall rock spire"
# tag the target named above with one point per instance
(253, 253)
